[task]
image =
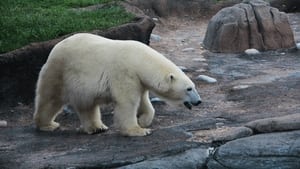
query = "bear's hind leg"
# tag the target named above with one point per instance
(145, 111)
(45, 114)
(91, 122)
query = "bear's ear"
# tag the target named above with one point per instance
(171, 77)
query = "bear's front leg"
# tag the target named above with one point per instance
(125, 118)
(91, 122)
(145, 111)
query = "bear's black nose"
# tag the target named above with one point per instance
(197, 103)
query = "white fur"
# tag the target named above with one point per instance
(86, 70)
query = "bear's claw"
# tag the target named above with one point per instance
(93, 130)
(137, 131)
(100, 130)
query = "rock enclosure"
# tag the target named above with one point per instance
(248, 119)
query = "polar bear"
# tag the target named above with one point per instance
(86, 70)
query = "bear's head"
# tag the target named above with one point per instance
(177, 88)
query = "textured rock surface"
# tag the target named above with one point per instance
(19, 68)
(284, 123)
(222, 134)
(191, 159)
(24, 147)
(266, 151)
(252, 24)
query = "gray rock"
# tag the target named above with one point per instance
(240, 87)
(251, 24)
(284, 123)
(252, 52)
(206, 79)
(298, 46)
(191, 159)
(265, 151)
(3, 123)
(155, 19)
(200, 59)
(155, 38)
(188, 50)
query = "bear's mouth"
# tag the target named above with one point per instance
(188, 105)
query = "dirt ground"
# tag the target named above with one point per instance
(270, 87)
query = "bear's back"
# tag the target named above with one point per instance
(88, 51)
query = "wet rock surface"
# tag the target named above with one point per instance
(211, 136)
(251, 24)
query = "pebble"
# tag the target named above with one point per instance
(219, 124)
(155, 19)
(252, 52)
(206, 79)
(298, 46)
(155, 38)
(240, 87)
(199, 59)
(200, 70)
(3, 123)
(188, 50)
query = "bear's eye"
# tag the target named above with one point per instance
(189, 89)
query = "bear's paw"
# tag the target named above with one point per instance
(50, 127)
(136, 131)
(94, 129)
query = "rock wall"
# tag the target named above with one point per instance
(179, 8)
(251, 24)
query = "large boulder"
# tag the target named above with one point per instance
(251, 24)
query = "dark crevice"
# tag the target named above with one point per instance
(259, 26)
